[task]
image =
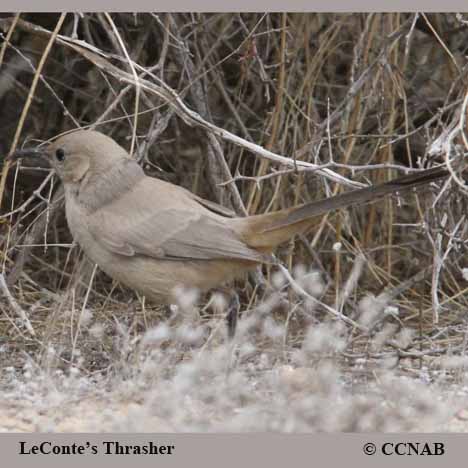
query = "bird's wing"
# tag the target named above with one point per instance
(166, 224)
(212, 206)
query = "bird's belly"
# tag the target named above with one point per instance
(159, 279)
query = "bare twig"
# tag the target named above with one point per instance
(15, 306)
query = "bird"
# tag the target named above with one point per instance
(154, 236)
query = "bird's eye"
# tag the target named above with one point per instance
(60, 154)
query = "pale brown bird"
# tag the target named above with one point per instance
(154, 236)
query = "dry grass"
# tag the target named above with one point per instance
(257, 112)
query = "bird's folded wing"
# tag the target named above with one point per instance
(172, 234)
(212, 206)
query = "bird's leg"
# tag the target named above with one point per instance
(233, 308)
(232, 314)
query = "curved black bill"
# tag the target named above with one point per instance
(31, 153)
(28, 153)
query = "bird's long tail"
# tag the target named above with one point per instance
(266, 231)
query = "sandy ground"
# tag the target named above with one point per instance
(188, 377)
(285, 399)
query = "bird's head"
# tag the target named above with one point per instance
(77, 154)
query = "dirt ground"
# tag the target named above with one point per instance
(198, 395)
